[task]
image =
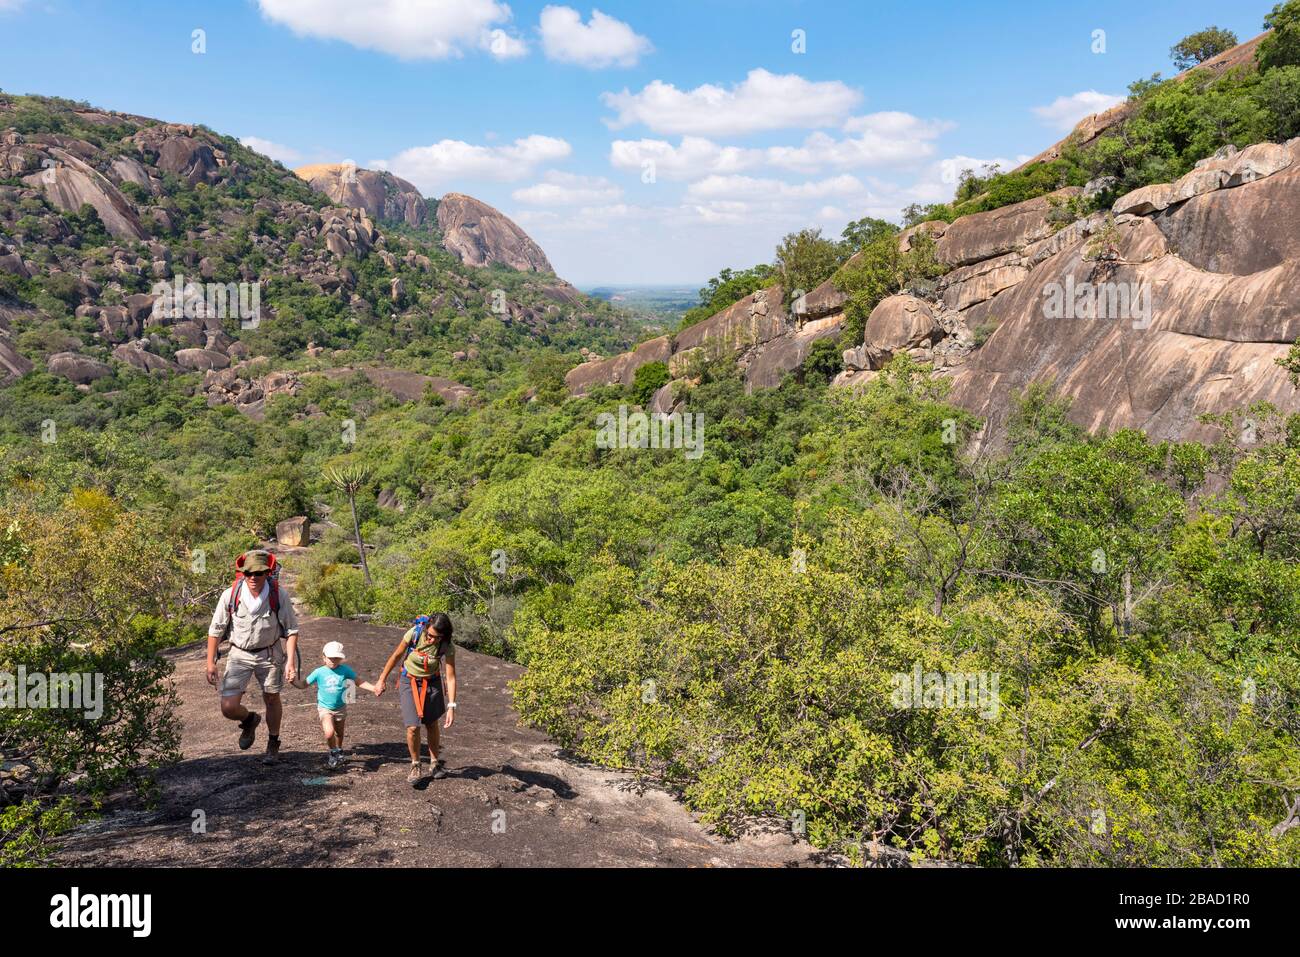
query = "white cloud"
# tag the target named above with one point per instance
(410, 29)
(762, 101)
(601, 42)
(748, 187)
(503, 46)
(276, 151)
(568, 189)
(10, 6)
(886, 139)
(693, 157)
(451, 161)
(1065, 112)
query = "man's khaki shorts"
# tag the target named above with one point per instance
(267, 665)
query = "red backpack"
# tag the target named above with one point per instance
(237, 589)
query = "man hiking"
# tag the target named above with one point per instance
(256, 614)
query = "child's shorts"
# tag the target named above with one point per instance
(338, 715)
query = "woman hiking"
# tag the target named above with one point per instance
(420, 688)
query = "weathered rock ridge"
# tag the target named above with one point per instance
(1174, 303)
(381, 194)
(479, 235)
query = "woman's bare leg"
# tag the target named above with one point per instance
(413, 743)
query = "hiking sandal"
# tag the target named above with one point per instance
(248, 727)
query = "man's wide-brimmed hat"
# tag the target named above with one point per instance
(255, 561)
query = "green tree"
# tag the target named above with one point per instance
(863, 232)
(1282, 46)
(1198, 47)
(648, 380)
(804, 260)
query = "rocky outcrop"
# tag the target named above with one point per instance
(294, 532)
(479, 235)
(69, 182)
(78, 369)
(620, 369)
(182, 150)
(407, 386)
(137, 355)
(982, 236)
(382, 195)
(768, 341)
(13, 365)
(1179, 308)
(1176, 302)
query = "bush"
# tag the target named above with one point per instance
(81, 615)
(335, 590)
(648, 380)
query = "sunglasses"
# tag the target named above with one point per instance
(256, 574)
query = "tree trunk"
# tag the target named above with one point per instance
(361, 547)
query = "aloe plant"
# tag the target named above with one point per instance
(350, 479)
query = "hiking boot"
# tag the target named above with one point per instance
(436, 771)
(333, 761)
(414, 775)
(248, 730)
(272, 750)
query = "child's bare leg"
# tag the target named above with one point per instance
(327, 726)
(413, 743)
(340, 725)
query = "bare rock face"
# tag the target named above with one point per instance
(78, 369)
(294, 532)
(751, 321)
(11, 262)
(137, 356)
(201, 360)
(479, 235)
(381, 194)
(620, 369)
(1238, 231)
(13, 365)
(1185, 314)
(182, 150)
(900, 323)
(767, 342)
(981, 236)
(70, 182)
(768, 364)
(407, 386)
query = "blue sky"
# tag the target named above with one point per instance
(638, 142)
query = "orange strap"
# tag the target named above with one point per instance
(417, 692)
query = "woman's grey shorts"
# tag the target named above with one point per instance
(434, 704)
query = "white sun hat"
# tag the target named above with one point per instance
(334, 650)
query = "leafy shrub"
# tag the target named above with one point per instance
(648, 380)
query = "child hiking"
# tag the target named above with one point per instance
(420, 687)
(332, 697)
